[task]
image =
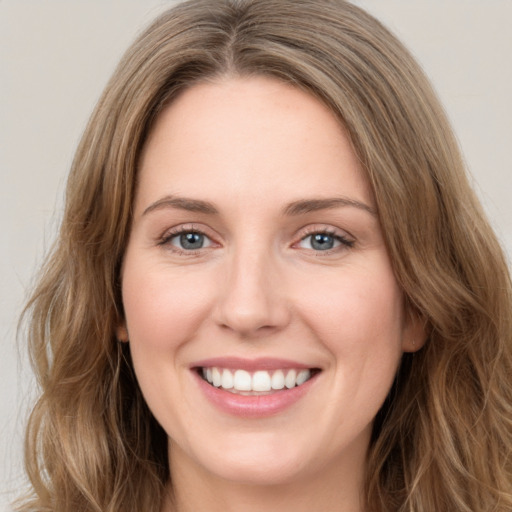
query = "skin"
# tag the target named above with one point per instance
(259, 288)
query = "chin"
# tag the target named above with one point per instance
(250, 460)
(258, 472)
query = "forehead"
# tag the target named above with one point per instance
(249, 136)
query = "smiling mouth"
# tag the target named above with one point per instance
(255, 383)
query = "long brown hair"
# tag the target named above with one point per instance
(443, 439)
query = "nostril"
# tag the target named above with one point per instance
(249, 302)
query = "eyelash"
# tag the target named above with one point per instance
(165, 240)
(345, 242)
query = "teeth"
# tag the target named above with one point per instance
(261, 380)
(303, 376)
(278, 380)
(216, 377)
(227, 379)
(291, 379)
(242, 380)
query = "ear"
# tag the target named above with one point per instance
(122, 332)
(414, 332)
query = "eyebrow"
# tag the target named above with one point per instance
(300, 207)
(312, 205)
(182, 203)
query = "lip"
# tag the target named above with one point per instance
(252, 406)
(250, 365)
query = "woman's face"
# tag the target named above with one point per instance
(263, 316)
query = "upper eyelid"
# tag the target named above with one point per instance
(346, 240)
(323, 228)
(300, 234)
(191, 227)
(175, 231)
(164, 241)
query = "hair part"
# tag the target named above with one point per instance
(443, 439)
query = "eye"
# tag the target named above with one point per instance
(187, 240)
(323, 241)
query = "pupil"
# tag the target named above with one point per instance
(191, 240)
(322, 242)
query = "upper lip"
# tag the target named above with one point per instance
(250, 365)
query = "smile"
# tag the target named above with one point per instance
(254, 388)
(256, 382)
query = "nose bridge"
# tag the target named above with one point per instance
(252, 296)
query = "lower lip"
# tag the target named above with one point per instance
(254, 406)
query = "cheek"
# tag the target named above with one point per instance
(163, 311)
(358, 317)
(361, 326)
(355, 303)
(164, 308)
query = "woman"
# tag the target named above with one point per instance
(273, 287)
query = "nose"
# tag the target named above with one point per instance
(252, 299)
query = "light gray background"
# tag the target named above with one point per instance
(55, 58)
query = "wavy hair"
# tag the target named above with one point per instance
(443, 439)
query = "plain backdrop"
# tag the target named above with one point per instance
(55, 58)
